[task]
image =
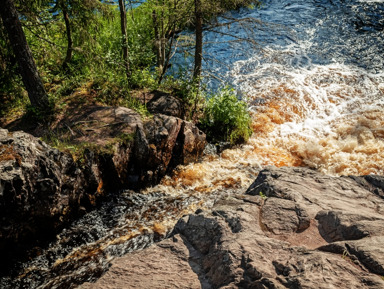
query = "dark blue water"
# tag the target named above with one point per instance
(297, 34)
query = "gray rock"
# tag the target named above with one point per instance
(312, 231)
(377, 183)
(338, 225)
(284, 216)
(166, 104)
(43, 189)
(370, 253)
(367, 253)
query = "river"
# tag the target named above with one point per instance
(313, 75)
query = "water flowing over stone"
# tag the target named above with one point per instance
(312, 72)
(327, 233)
(42, 189)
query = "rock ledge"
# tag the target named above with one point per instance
(295, 228)
(43, 189)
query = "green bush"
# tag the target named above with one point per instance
(226, 118)
(143, 79)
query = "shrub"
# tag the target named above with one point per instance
(226, 118)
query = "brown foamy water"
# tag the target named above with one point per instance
(329, 118)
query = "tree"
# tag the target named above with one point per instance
(68, 56)
(79, 17)
(168, 18)
(123, 24)
(199, 43)
(27, 66)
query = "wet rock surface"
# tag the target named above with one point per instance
(40, 188)
(43, 189)
(294, 228)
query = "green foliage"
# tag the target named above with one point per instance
(113, 89)
(140, 37)
(226, 118)
(126, 138)
(11, 93)
(35, 115)
(77, 150)
(143, 78)
(13, 101)
(97, 59)
(136, 105)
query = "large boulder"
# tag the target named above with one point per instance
(42, 189)
(162, 144)
(295, 228)
(165, 103)
(132, 152)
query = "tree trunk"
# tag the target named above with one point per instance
(27, 66)
(123, 23)
(157, 43)
(168, 55)
(68, 57)
(199, 43)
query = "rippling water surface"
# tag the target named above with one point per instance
(313, 75)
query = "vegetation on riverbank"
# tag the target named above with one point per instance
(79, 48)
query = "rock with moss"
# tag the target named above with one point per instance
(132, 152)
(43, 188)
(126, 151)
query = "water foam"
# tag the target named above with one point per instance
(327, 117)
(330, 116)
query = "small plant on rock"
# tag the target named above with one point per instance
(262, 195)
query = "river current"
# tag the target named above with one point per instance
(312, 73)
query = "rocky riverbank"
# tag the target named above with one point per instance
(294, 228)
(42, 189)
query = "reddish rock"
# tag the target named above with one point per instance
(309, 231)
(42, 189)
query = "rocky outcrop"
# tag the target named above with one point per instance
(164, 143)
(135, 153)
(167, 104)
(295, 228)
(41, 188)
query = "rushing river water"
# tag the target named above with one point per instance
(313, 74)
